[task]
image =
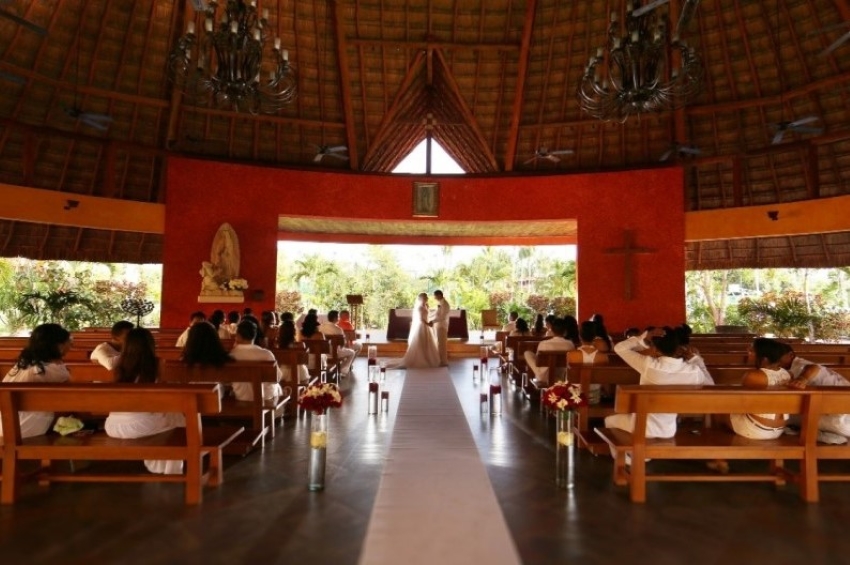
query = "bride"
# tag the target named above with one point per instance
(421, 344)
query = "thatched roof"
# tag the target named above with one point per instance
(492, 81)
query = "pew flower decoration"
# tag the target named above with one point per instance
(319, 397)
(235, 284)
(564, 396)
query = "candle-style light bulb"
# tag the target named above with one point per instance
(190, 28)
(277, 43)
(234, 27)
(208, 24)
(285, 55)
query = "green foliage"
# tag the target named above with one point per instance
(784, 314)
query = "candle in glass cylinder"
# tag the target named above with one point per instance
(373, 398)
(385, 401)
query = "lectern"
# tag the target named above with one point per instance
(355, 301)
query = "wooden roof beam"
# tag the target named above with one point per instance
(345, 85)
(522, 71)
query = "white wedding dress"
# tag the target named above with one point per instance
(421, 343)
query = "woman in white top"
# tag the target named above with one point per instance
(662, 367)
(41, 362)
(139, 364)
(768, 372)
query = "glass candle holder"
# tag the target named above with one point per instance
(373, 397)
(475, 373)
(482, 399)
(385, 401)
(318, 451)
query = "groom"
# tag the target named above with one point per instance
(440, 323)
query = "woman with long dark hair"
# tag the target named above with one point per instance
(41, 362)
(139, 364)
(203, 347)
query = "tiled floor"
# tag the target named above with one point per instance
(264, 513)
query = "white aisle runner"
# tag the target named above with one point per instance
(435, 503)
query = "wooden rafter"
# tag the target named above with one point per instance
(519, 91)
(345, 85)
(434, 44)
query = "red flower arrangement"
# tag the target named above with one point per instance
(318, 398)
(564, 396)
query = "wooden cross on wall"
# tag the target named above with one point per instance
(627, 250)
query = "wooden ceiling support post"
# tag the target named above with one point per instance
(178, 18)
(522, 71)
(345, 85)
(812, 173)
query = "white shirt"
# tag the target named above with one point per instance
(660, 371)
(106, 355)
(37, 423)
(181, 341)
(330, 328)
(443, 310)
(556, 343)
(251, 352)
(509, 327)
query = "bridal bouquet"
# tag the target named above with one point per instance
(564, 396)
(235, 284)
(319, 397)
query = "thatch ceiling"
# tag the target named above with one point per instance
(493, 81)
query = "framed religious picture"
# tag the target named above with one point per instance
(426, 199)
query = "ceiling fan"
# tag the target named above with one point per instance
(835, 44)
(680, 149)
(797, 126)
(646, 8)
(93, 120)
(333, 151)
(21, 21)
(544, 153)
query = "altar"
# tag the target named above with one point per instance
(401, 318)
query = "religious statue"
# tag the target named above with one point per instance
(220, 275)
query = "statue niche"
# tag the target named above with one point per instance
(222, 268)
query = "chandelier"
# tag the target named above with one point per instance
(642, 69)
(224, 61)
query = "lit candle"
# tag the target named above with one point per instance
(613, 17)
(208, 24)
(635, 36)
(265, 13)
(277, 43)
(190, 28)
(599, 53)
(234, 27)
(256, 34)
(285, 55)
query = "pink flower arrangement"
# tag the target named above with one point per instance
(319, 397)
(564, 396)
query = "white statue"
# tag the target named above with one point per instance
(223, 265)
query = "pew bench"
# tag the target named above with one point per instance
(712, 443)
(189, 444)
(258, 411)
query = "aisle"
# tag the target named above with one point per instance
(435, 503)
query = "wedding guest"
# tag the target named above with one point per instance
(233, 318)
(286, 340)
(511, 324)
(139, 364)
(547, 325)
(555, 343)
(539, 328)
(260, 337)
(268, 327)
(345, 321)
(345, 354)
(246, 350)
(109, 352)
(630, 332)
(571, 331)
(604, 340)
(665, 369)
(521, 328)
(40, 362)
(310, 326)
(203, 347)
(217, 319)
(587, 353)
(194, 318)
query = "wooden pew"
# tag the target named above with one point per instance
(710, 443)
(188, 444)
(610, 377)
(289, 360)
(256, 411)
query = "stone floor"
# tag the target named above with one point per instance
(264, 513)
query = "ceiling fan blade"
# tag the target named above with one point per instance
(690, 150)
(92, 123)
(803, 121)
(318, 158)
(836, 44)
(336, 148)
(778, 137)
(667, 154)
(553, 158)
(530, 161)
(562, 152)
(648, 8)
(338, 156)
(23, 23)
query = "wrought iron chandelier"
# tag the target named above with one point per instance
(224, 61)
(643, 69)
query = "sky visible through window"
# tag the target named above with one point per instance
(441, 162)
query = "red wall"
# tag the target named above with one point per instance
(204, 194)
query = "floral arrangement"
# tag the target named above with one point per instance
(564, 396)
(319, 397)
(235, 284)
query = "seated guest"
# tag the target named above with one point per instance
(109, 352)
(310, 327)
(194, 318)
(571, 331)
(260, 337)
(233, 318)
(555, 343)
(203, 347)
(663, 369)
(547, 325)
(246, 350)
(287, 317)
(217, 319)
(768, 371)
(521, 328)
(587, 353)
(539, 328)
(346, 355)
(40, 362)
(345, 321)
(834, 428)
(511, 325)
(286, 340)
(139, 364)
(631, 332)
(604, 343)
(268, 327)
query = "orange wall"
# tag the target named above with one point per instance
(203, 194)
